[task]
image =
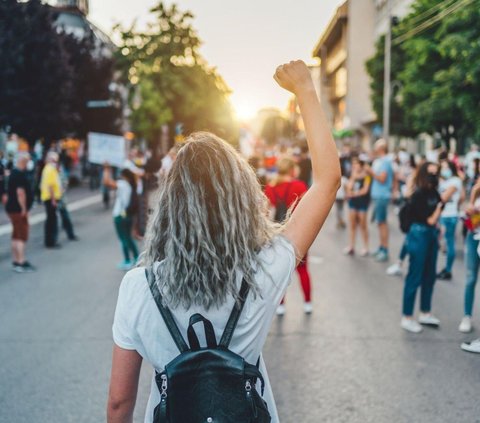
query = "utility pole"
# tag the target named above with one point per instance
(387, 90)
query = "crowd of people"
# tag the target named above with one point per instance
(25, 180)
(432, 196)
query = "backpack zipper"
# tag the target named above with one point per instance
(163, 393)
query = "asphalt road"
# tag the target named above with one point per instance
(347, 362)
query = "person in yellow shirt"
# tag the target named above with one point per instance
(50, 194)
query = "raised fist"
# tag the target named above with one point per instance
(294, 77)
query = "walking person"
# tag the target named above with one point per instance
(406, 191)
(124, 209)
(382, 186)
(422, 246)
(19, 202)
(209, 236)
(282, 196)
(358, 194)
(451, 190)
(472, 258)
(50, 194)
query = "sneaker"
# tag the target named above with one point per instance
(465, 325)
(473, 346)
(364, 253)
(348, 251)
(428, 319)
(28, 267)
(307, 307)
(444, 276)
(394, 270)
(280, 310)
(381, 257)
(410, 325)
(17, 267)
(124, 265)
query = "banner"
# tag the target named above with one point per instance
(107, 148)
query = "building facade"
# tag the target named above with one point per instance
(344, 47)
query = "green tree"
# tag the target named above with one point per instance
(47, 76)
(438, 71)
(36, 79)
(171, 83)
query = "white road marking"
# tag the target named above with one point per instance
(6, 229)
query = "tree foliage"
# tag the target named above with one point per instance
(438, 73)
(47, 76)
(171, 83)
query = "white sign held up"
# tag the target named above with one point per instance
(107, 148)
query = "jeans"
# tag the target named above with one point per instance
(422, 247)
(51, 224)
(380, 209)
(450, 224)
(472, 262)
(66, 220)
(123, 226)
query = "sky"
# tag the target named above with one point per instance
(245, 40)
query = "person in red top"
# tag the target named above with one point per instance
(284, 194)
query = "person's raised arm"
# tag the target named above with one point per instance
(107, 178)
(312, 210)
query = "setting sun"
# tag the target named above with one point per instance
(244, 109)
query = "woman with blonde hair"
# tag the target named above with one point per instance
(211, 248)
(283, 195)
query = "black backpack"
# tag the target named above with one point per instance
(405, 217)
(281, 206)
(211, 384)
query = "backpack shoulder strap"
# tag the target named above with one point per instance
(234, 316)
(165, 312)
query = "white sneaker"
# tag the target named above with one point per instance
(307, 308)
(280, 310)
(473, 346)
(428, 319)
(394, 270)
(465, 325)
(410, 325)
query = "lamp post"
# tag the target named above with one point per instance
(387, 91)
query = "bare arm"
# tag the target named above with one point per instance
(312, 210)
(474, 193)
(433, 219)
(447, 194)
(107, 179)
(123, 385)
(22, 200)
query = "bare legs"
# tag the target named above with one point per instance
(18, 251)
(358, 220)
(383, 231)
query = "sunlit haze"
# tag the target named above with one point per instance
(244, 40)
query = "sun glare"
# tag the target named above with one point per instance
(244, 110)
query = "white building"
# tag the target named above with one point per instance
(344, 47)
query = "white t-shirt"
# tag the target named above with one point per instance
(139, 326)
(122, 198)
(451, 207)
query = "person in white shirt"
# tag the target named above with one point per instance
(123, 213)
(210, 230)
(470, 160)
(451, 191)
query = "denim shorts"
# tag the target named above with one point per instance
(380, 209)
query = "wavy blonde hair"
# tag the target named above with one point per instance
(210, 222)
